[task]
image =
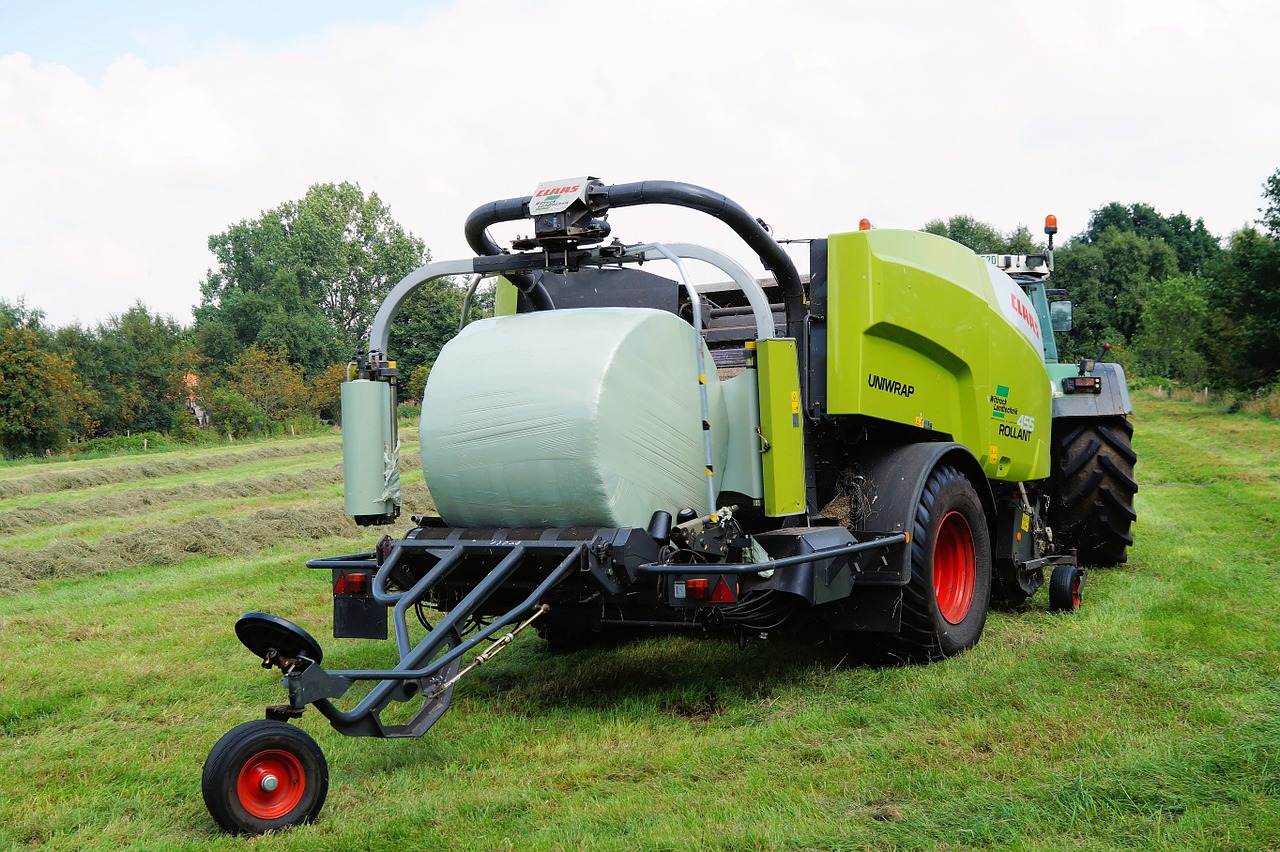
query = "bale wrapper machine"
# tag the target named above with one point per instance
(865, 451)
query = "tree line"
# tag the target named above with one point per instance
(288, 302)
(293, 292)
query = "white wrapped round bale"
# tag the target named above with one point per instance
(586, 417)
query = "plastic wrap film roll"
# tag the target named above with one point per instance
(370, 458)
(585, 417)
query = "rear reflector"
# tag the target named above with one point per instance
(353, 583)
(722, 593)
(700, 591)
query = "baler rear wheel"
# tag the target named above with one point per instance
(264, 776)
(944, 607)
(1094, 488)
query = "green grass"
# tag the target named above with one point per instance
(1149, 719)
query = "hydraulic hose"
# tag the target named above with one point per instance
(737, 218)
(477, 233)
(653, 192)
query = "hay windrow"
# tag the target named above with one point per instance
(169, 545)
(140, 500)
(53, 481)
(57, 512)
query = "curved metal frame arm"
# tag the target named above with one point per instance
(759, 302)
(380, 331)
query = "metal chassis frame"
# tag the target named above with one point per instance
(420, 669)
(423, 669)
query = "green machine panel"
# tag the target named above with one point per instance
(781, 425)
(923, 332)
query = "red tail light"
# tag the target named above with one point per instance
(697, 589)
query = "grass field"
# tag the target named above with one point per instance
(1150, 719)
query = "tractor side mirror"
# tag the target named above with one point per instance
(1060, 315)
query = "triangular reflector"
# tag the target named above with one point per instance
(722, 593)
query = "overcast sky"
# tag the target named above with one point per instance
(130, 132)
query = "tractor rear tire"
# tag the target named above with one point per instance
(264, 776)
(1094, 487)
(944, 607)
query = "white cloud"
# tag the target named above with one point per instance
(811, 114)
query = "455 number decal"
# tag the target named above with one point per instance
(1019, 431)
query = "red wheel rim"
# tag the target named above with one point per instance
(955, 568)
(1076, 582)
(271, 784)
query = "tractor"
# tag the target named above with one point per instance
(876, 451)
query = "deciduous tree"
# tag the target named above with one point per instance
(428, 320)
(1244, 299)
(1271, 199)
(1190, 240)
(135, 363)
(339, 247)
(269, 381)
(42, 401)
(968, 231)
(18, 315)
(1171, 330)
(1108, 280)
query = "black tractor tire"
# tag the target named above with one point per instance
(1092, 508)
(944, 607)
(264, 776)
(1066, 587)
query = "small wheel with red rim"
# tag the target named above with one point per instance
(1066, 585)
(264, 776)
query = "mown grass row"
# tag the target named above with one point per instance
(75, 475)
(216, 505)
(51, 517)
(1150, 719)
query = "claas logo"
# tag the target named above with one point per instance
(1022, 311)
(560, 190)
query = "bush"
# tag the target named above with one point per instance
(233, 414)
(325, 391)
(183, 428)
(409, 411)
(123, 443)
(302, 424)
(1265, 402)
(418, 381)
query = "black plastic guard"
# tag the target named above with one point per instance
(833, 578)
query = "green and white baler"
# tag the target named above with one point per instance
(873, 452)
